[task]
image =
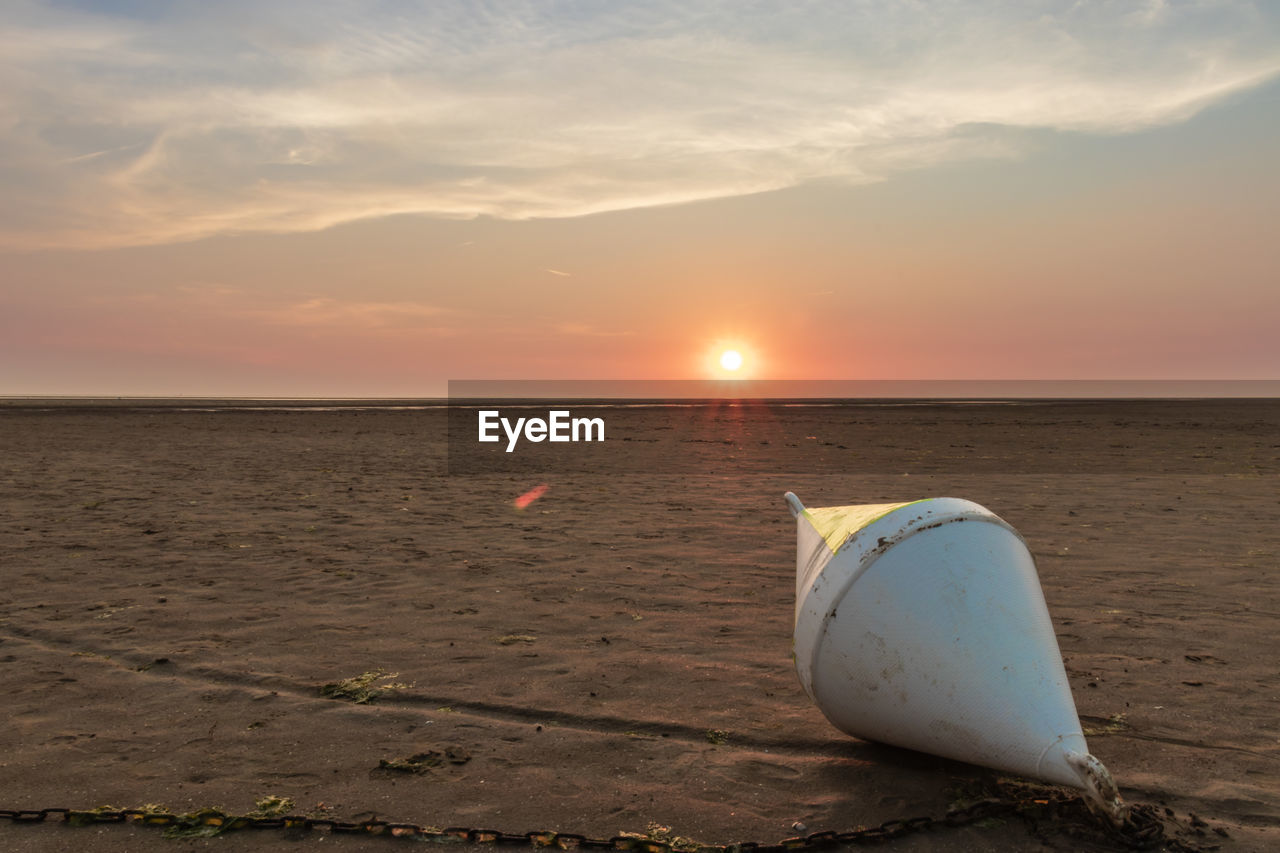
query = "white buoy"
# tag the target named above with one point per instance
(923, 625)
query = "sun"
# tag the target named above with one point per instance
(731, 357)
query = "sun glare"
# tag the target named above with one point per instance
(730, 357)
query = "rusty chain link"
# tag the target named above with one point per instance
(1144, 829)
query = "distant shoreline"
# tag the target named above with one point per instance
(252, 404)
(697, 392)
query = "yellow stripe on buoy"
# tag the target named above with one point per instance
(835, 524)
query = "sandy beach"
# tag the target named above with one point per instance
(181, 581)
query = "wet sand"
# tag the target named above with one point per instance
(179, 584)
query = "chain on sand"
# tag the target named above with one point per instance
(1047, 816)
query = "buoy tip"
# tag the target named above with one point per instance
(1100, 789)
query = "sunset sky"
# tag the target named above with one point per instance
(371, 198)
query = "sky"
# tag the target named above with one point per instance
(368, 199)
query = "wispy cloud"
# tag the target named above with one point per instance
(256, 308)
(588, 331)
(238, 116)
(330, 313)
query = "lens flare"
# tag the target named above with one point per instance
(531, 496)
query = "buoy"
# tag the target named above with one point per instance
(922, 624)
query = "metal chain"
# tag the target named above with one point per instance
(1144, 829)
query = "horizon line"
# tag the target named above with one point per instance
(757, 389)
